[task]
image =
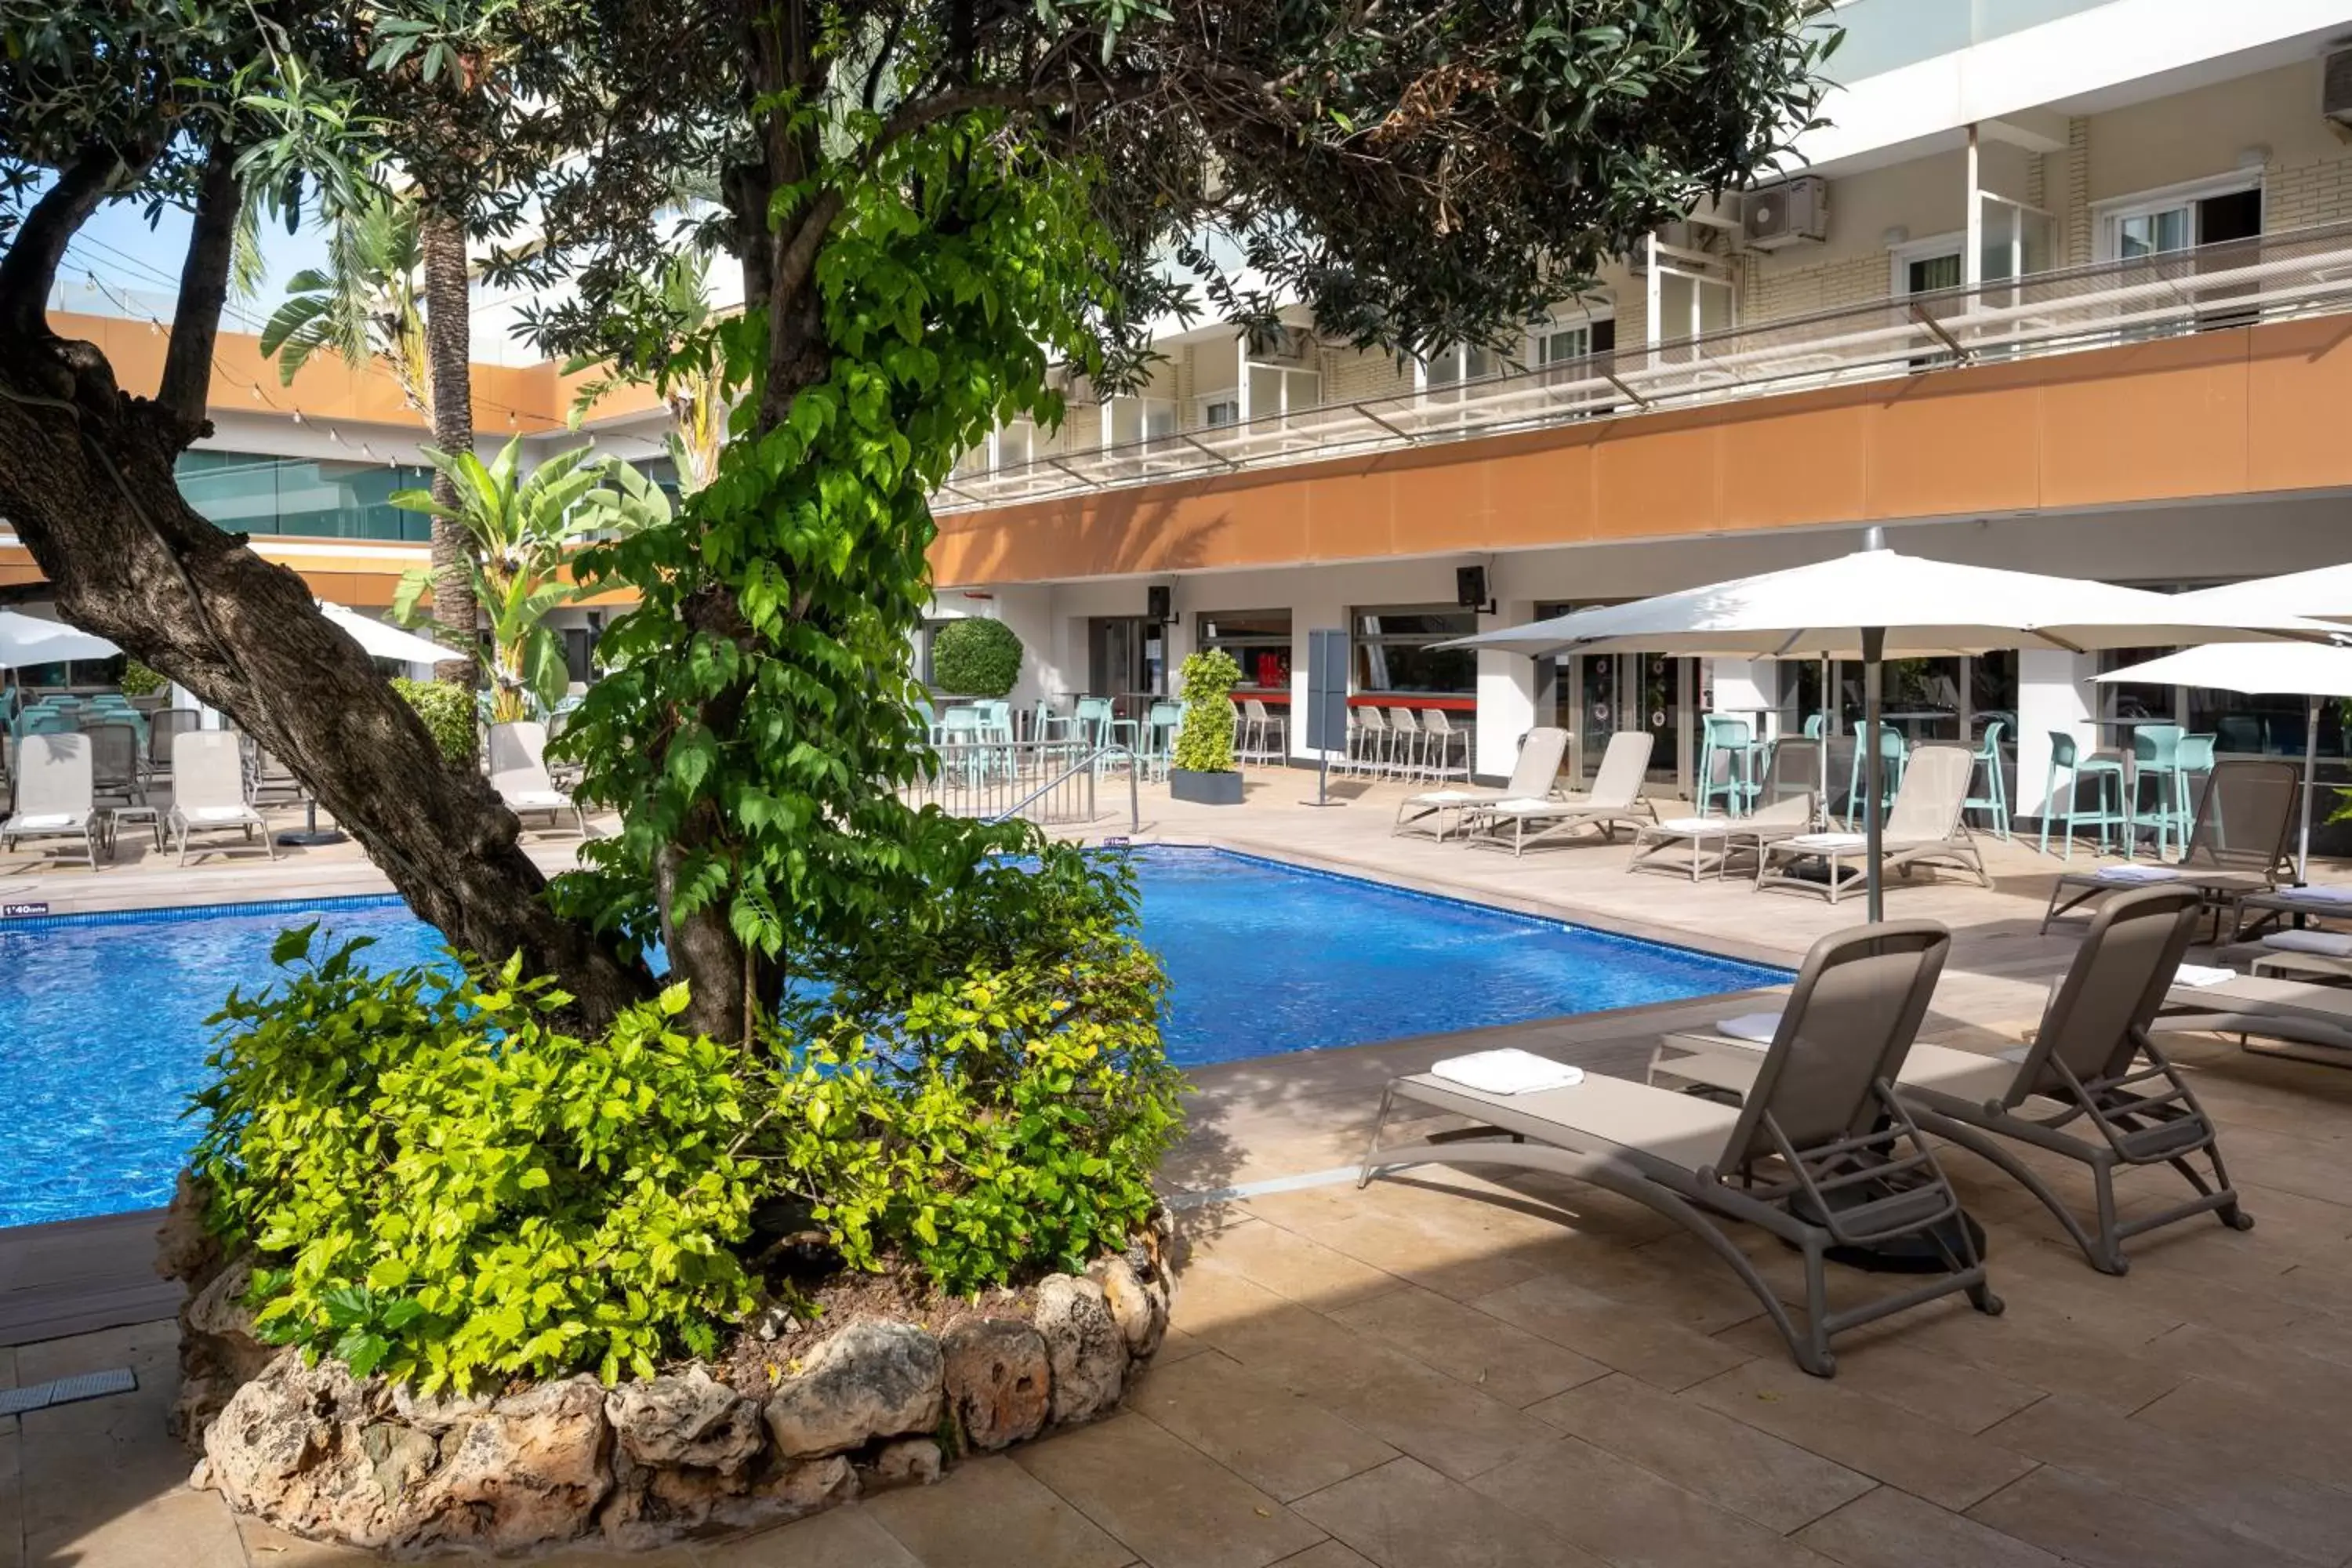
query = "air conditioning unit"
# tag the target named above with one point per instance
(2336, 88)
(1678, 234)
(1784, 214)
(1292, 343)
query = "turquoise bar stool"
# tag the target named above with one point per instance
(1159, 736)
(2156, 756)
(2100, 772)
(1726, 739)
(1994, 802)
(1814, 724)
(1893, 750)
(2195, 766)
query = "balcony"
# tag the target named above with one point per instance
(2272, 278)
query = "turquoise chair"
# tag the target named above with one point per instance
(2099, 770)
(1726, 738)
(1814, 724)
(1894, 752)
(1159, 736)
(2196, 766)
(1995, 800)
(2156, 758)
(50, 721)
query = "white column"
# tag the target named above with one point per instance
(1749, 687)
(1506, 693)
(1316, 605)
(2053, 692)
(1241, 376)
(1972, 252)
(1653, 294)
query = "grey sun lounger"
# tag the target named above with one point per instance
(1439, 813)
(209, 793)
(1927, 826)
(1613, 802)
(2237, 845)
(1709, 845)
(55, 796)
(2299, 1012)
(2318, 901)
(1823, 1154)
(2093, 1067)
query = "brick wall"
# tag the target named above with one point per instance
(1775, 291)
(2295, 195)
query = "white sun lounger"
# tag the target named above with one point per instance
(55, 797)
(1927, 826)
(1615, 801)
(517, 753)
(1704, 846)
(1823, 1155)
(1534, 775)
(209, 793)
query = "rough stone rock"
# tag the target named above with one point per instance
(1141, 1315)
(907, 1462)
(999, 1383)
(434, 1413)
(688, 1420)
(290, 1446)
(1083, 1345)
(220, 1350)
(531, 1472)
(869, 1380)
(185, 1248)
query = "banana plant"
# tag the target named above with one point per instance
(526, 529)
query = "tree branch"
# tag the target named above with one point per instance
(32, 262)
(204, 292)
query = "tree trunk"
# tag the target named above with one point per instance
(86, 479)
(448, 350)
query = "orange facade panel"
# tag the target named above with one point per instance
(2249, 410)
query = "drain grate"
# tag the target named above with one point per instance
(66, 1391)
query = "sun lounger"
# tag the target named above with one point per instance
(518, 773)
(2092, 1064)
(55, 798)
(1822, 1155)
(1701, 845)
(2298, 1012)
(1534, 776)
(1927, 826)
(1615, 801)
(208, 792)
(2237, 846)
(2318, 901)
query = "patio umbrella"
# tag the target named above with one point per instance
(2261, 669)
(2323, 594)
(383, 640)
(1877, 602)
(28, 640)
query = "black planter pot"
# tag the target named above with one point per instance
(1205, 789)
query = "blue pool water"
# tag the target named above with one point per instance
(103, 1037)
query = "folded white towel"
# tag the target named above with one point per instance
(1507, 1072)
(1829, 841)
(38, 820)
(2333, 894)
(2202, 975)
(218, 813)
(2135, 874)
(535, 799)
(2327, 944)
(1445, 797)
(1698, 826)
(1758, 1028)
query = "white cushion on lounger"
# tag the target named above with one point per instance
(2327, 944)
(1828, 841)
(2330, 894)
(2202, 975)
(46, 819)
(1758, 1027)
(1525, 803)
(218, 813)
(1507, 1072)
(536, 799)
(1445, 797)
(1697, 824)
(2136, 873)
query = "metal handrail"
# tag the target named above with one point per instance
(1094, 759)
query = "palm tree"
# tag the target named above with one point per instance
(521, 534)
(365, 305)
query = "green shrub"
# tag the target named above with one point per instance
(138, 680)
(975, 657)
(1204, 742)
(442, 1183)
(449, 714)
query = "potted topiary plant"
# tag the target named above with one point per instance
(975, 657)
(1201, 770)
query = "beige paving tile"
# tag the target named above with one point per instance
(1949, 1469)
(1165, 1501)
(1664, 1354)
(266, 1546)
(1748, 1471)
(1270, 1436)
(1892, 1529)
(12, 1500)
(847, 1537)
(1292, 1266)
(1954, 1392)
(1176, 1345)
(2100, 1527)
(2157, 1288)
(991, 1513)
(2301, 1435)
(182, 1529)
(1210, 1297)
(2033, 1342)
(1628, 1517)
(2262, 1366)
(1406, 1515)
(1508, 1363)
(1330, 1554)
(593, 1553)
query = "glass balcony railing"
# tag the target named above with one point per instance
(2278, 276)
(1883, 35)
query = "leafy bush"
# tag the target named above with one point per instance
(442, 1183)
(449, 714)
(138, 680)
(1204, 742)
(975, 657)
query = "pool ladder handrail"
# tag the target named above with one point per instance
(1090, 766)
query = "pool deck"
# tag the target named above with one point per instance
(1438, 1371)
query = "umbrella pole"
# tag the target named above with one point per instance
(2310, 787)
(1873, 650)
(1822, 797)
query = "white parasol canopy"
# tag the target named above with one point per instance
(1877, 602)
(2324, 593)
(2260, 669)
(383, 640)
(28, 640)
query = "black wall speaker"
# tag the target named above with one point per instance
(1470, 586)
(1158, 605)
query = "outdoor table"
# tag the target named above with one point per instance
(116, 816)
(1912, 719)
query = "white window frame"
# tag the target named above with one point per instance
(1899, 257)
(1208, 400)
(2108, 216)
(1561, 320)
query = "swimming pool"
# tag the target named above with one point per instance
(103, 1037)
